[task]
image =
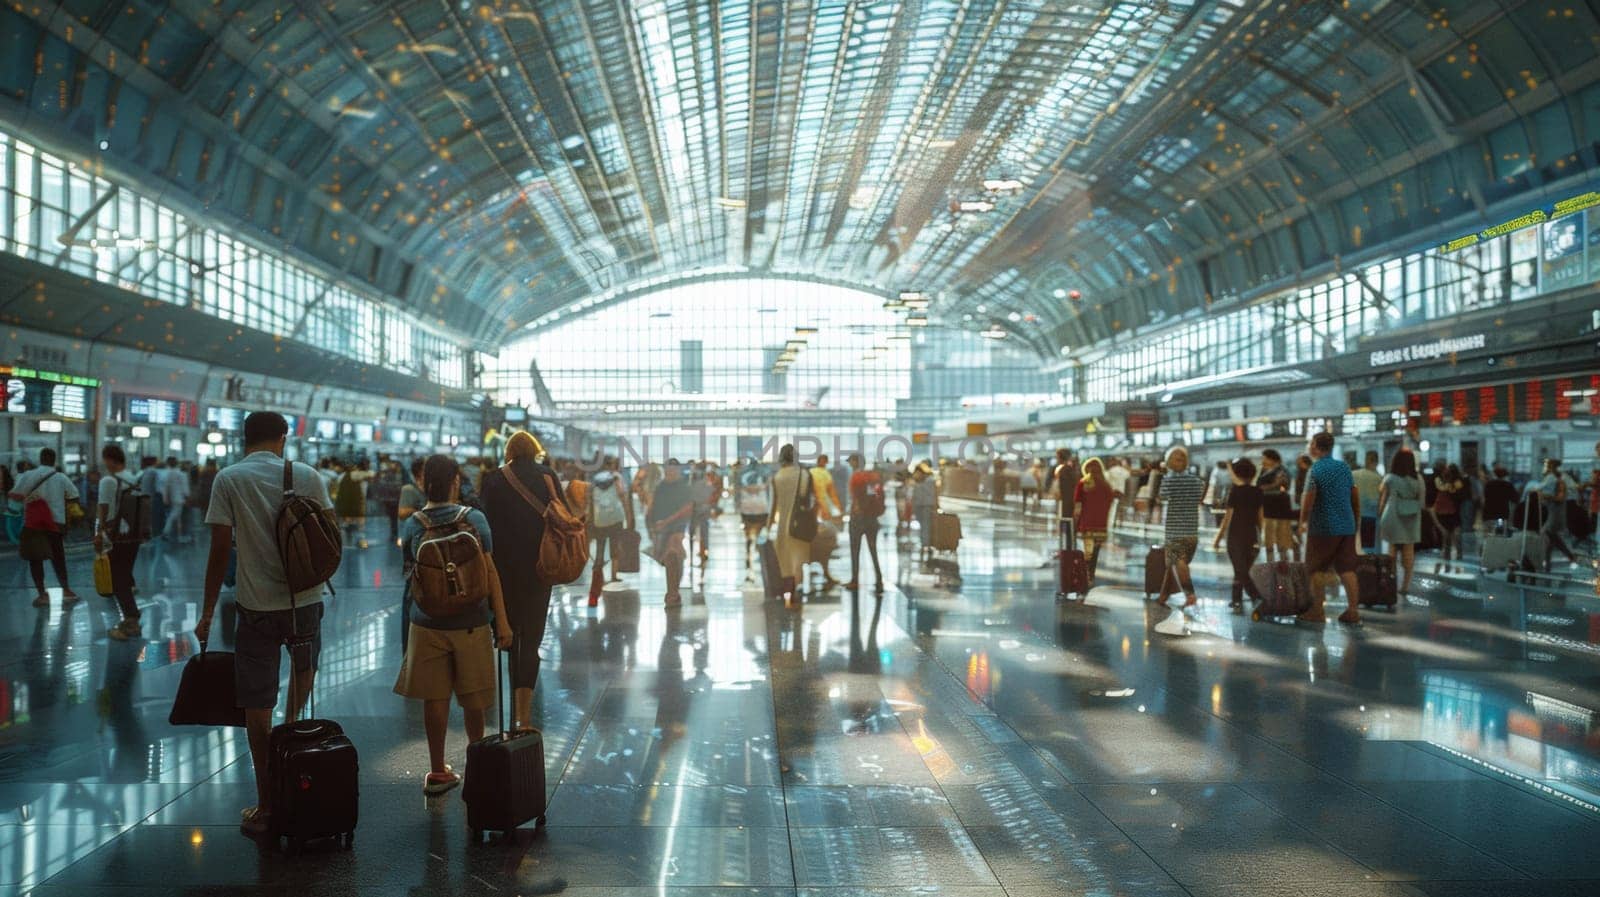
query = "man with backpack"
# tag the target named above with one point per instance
(122, 522)
(278, 515)
(867, 505)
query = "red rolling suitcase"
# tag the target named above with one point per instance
(503, 787)
(1072, 568)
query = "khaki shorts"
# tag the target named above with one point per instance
(440, 662)
(1277, 533)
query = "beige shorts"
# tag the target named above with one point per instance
(440, 662)
(1277, 533)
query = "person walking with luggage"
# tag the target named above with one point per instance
(44, 493)
(1241, 527)
(1553, 491)
(520, 528)
(671, 508)
(115, 532)
(925, 502)
(152, 480)
(1449, 491)
(1329, 506)
(451, 650)
(1368, 483)
(610, 515)
(791, 497)
(1278, 508)
(1400, 512)
(1092, 497)
(245, 502)
(867, 504)
(1180, 496)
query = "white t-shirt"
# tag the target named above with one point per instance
(54, 488)
(1117, 476)
(111, 487)
(246, 497)
(175, 487)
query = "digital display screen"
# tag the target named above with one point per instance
(396, 435)
(327, 429)
(363, 432)
(515, 415)
(151, 410)
(21, 393)
(1554, 398)
(228, 420)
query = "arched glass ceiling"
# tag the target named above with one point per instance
(723, 354)
(496, 161)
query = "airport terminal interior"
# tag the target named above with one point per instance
(845, 448)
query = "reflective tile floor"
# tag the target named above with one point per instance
(960, 735)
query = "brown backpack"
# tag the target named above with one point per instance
(564, 550)
(309, 541)
(449, 572)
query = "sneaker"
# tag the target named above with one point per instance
(1175, 624)
(440, 782)
(255, 821)
(127, 629)
(1236, 606)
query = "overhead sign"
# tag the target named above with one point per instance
(1528, 219)
(1558, 398)
(29, 391)
(1428, 351)
(152, 410)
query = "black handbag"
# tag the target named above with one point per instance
(206, 695)
(803, 516)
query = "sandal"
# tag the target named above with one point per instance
(440, 782)
(1350, 617)
(255, 821)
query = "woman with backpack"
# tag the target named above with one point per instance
(521, 527)
(610, 514)
(1400, 499)
(455, 589)
(1450, 492)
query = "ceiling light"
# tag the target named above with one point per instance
(1002, 185)
(912, 295)
(941, 144)
(1060, 293)
(794, 345)
(971, 205)
(900, 337)
(917, 320)
(728, 202)
(1014, 317)
(806, 331)
(917, 304)
(893, 305)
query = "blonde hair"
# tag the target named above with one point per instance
(523, 444)
(1094, 479)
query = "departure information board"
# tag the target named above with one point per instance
(29, 391)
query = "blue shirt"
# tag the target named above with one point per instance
(1332, 515)
(411, 535)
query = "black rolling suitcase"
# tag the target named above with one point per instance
(771, 572)
(1155, 572)
(504, 783)
(314, 772)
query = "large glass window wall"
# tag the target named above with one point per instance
(1322, 320)
(58, 213)
(720, 345)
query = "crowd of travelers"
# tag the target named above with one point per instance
(463, 600)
